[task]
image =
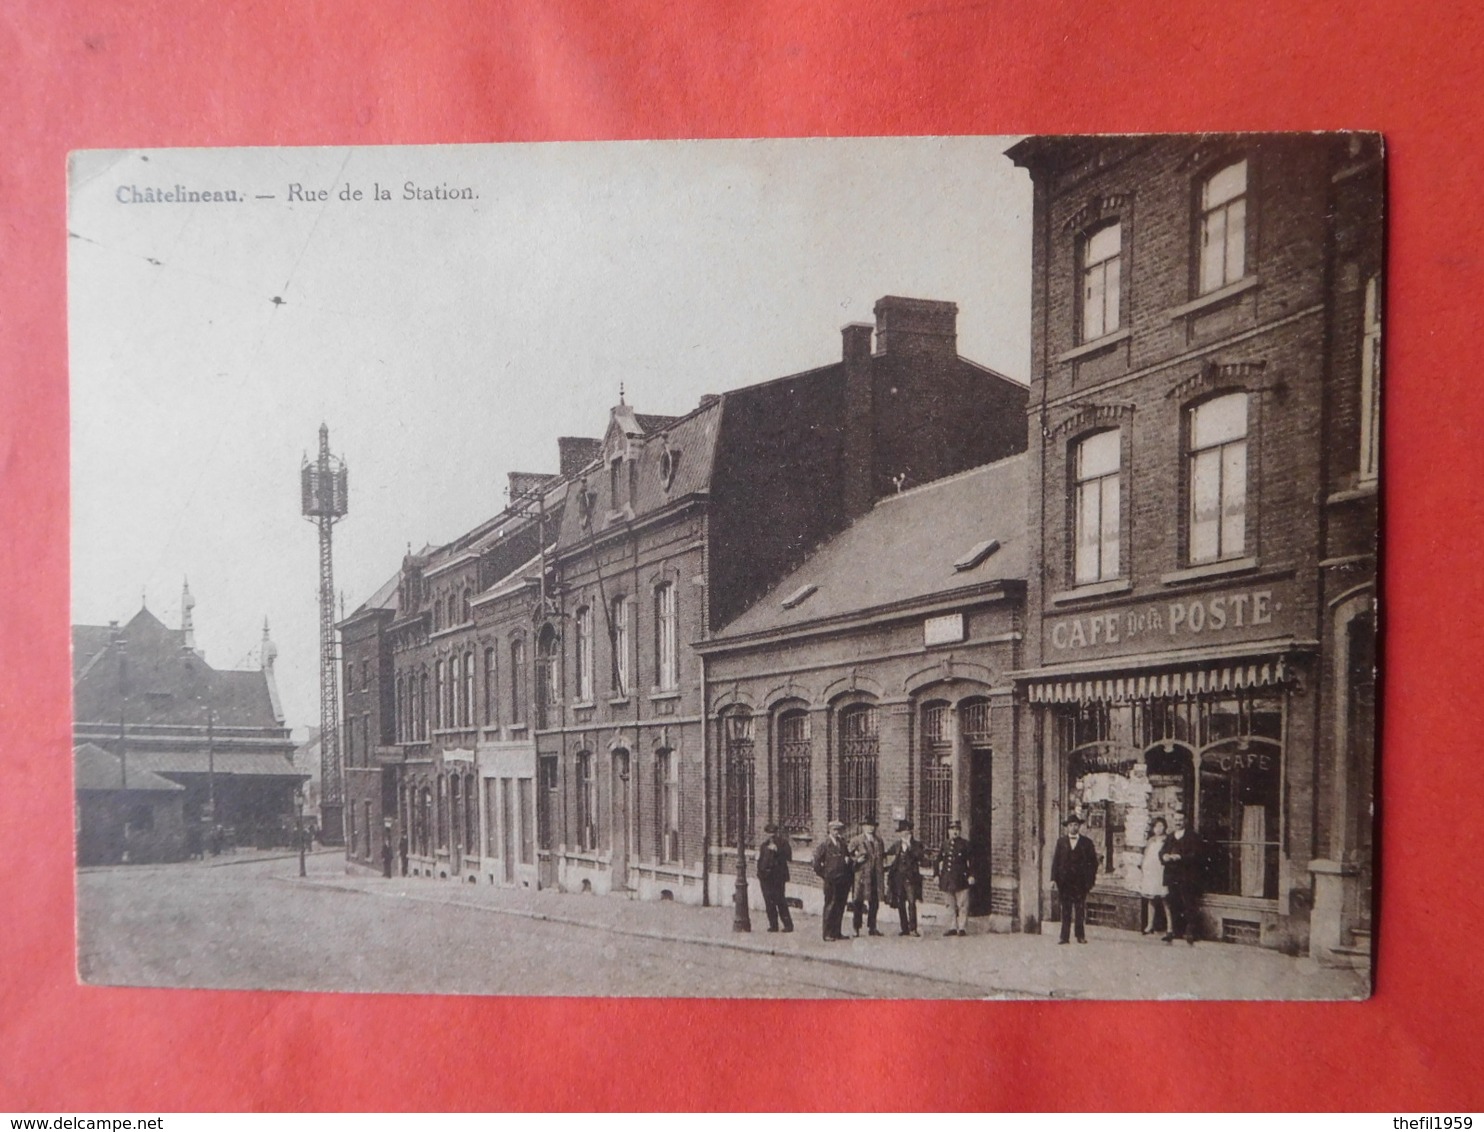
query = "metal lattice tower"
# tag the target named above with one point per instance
(324, 485)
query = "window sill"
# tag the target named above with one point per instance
(1107, 341)
(618, 701)
(1091, 590)
(1213, 298)
(584, 705)
(1209, 570)
(1360, 491)
(664, 694)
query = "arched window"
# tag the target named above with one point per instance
(1096, 507)
(587, 803)
(738, 803)
(491, 696)
(859, 753)
(795, 768)
(621, 648)
(422, 708)
(518, 681)
(1101, 280)
(666, 638)
(935, 756)
(467, 715)
(582, 629)
(440, 691)
(1223, 229)
(1217, 461)
(468, 608)
(399, 718)
(548, 675)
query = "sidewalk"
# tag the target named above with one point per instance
(1113, 965)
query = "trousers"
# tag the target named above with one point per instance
(1073, 907)
(836, 893)
(776, 904)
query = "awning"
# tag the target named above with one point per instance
(1181, 684)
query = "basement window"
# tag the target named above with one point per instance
(977, 554)
(800, 596)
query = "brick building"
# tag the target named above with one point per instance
(873, 682)
(1203, 445)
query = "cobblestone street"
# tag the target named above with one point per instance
(254, 923)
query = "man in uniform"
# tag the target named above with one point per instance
(904, 876)
(832, 864)
(953, 876)
(1074, 870)
(773, 856)
(1182, 859)
(867, 850)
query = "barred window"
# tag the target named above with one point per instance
(795, 758)
(737, 732)
(859, 753)
(936, 758)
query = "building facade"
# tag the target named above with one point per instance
(1203, 447)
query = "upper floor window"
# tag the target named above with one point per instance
(1218, 478)
(491, 711)
(1097, 507)
(614, 480)
(1370, 384)
(666, 668)
(620, 631)
(583, 634)
(547, 676)
(1101, 271)
(399, 721)
(517, 681)
(467, 719)
(440, 693)
(1224, 227)
(468, 608)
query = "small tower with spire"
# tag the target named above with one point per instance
(187, 622)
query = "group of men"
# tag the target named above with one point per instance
(864, 872)
(1074, 870)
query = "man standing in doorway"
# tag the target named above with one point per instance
(773, 857)
(904, 876)
(868, 851)
(1182, 859)
(832, 864)
(953, 876)
(1074, 870)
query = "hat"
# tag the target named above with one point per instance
(955, 824)
(1070, 818)
(868, 821)
(837, 825)
(770, 828)
(904, 824)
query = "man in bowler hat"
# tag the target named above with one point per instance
(1074, 870)
(1182, 857)
(833, 865)
(773, 856)
(952, 868)
(904, 876)
(867, 850)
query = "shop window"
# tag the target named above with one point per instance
(667, 806)
(587, 803)
(859, 753)
(1223, 227)
(620, 633)
(795, 767)
(666, 638)
(935, 755)
(1370, 384)
(1237, 808)
(1101, 259)
(1097, 507)
(738, 803)
(583, 646)
(1217, 462)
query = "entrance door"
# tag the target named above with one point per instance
(546, 818)
(620, 839)
(980, 805)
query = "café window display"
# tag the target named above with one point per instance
(1215, 758)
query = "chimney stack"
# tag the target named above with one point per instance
(576, 452)
(858, 453)
(916, 326)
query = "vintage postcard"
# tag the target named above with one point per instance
(891, 568)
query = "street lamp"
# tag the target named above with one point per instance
(739, 736)
(299, 827)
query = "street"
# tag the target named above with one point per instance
(255, 924)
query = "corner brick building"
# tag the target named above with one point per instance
(1204, 440)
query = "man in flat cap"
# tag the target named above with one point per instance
(1074, 870)
(833, 865)
(773, 857)
(954, 878)
(903, 868)
(867, 850)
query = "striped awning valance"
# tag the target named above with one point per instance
(1161, 685)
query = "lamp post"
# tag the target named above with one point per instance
(299, 827)
(386, 848)
(739, 736)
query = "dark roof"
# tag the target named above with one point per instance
(88, 644)
(652, 422)
(905, 549)
(96, 769)
(252, 764)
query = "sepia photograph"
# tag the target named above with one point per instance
(887, 568)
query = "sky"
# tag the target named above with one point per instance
(446, 342)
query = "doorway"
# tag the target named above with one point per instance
(981, 804)
(620, 838)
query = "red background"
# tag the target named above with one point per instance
(108, 74)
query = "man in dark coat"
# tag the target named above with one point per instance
(868, 851)
(1183, 857)
(952, 869)
(402, 852)
(903, 867)
(773, 856)
(833, 865)
(1074, 870)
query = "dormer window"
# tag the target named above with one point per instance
(614, 481)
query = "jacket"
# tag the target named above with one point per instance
(1183, 860)
(869, 852)
(903, 867)
(832, 861)
(773, 856)
(1074, 868)
(953, 865)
